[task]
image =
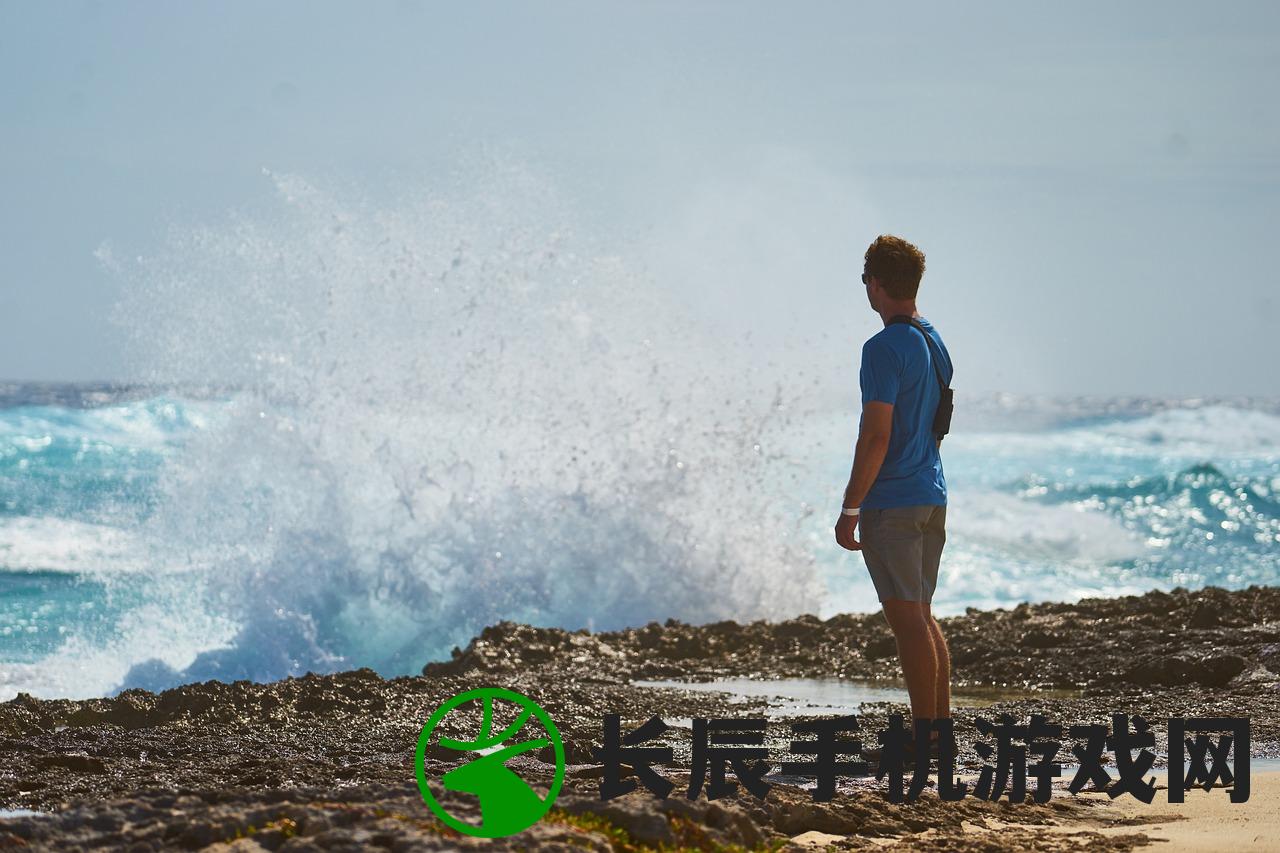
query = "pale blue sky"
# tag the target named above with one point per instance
(1097, 185)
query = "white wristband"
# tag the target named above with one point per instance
(850, 510)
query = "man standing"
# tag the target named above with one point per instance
(896, 493)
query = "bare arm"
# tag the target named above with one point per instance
(873, 443)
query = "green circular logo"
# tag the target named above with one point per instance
(508, 804)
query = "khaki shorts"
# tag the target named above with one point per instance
(902, 547)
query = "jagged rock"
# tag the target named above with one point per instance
(1204, 616)
(880, 648)
(986, 646)
(1039, 638)
(803, 817)
(1215, 671)
(639, 816)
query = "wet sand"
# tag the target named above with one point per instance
(325, 762)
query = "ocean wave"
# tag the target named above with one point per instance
(1192, 433)
(450, 413)
(1208, 431)
(50, 544)
(169, 630)
(1057, 534)
(90, 464)
(1199, 512)
(149, 423)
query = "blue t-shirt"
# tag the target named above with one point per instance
(897, 368)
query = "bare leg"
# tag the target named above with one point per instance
(917, 653)
(942, 687)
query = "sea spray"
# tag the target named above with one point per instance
(444, 413)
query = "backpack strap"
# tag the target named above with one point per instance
(937, 371)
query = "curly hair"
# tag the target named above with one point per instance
(898, 264)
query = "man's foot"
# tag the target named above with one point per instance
(935, 747)
(872, 754)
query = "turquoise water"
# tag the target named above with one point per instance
(151, 538)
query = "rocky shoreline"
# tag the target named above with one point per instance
(325, 762)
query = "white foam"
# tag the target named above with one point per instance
(1053, 533)
(1203, 431)
(63, 545)
(1188, 434)
(140, 425)
(173, 629)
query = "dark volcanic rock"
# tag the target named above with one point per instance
(1209, 671)
(881, 648)
(392, 816)
(1179, 636)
